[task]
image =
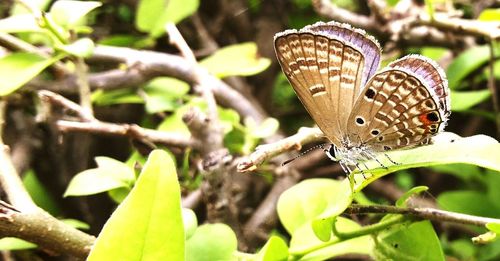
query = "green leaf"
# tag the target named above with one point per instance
(480, 150)
(20, 23)
(304, 239)
(119, 194)
(76, 223)
(148, 224)
(401, 202)
(174, 122)
(152, 15)
(492, 181)
(274, 250)
(467, 202)
(416, 241)
(435, 53)
(40, 195)
(164, 93)
(494, 227)
(238, 59)
(18, 68)
(463, 100)
(463, 171)
(211, 242)
(110, 174)
(126, 40)
(463, 249)
(83, 47)
(12, 243)
(313, 199)
(490, 14)
(466, 63)
(104, 98)
(190, 222)
(70, 13)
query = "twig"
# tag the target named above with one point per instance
(57, 99)
(9, 179)
(129, 130)
(92, 125)
(267, 151)
(177, 40)
(424, 213)
(489, 30)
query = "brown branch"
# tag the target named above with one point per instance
(47, 232)
(267, 151)
(424, 213)
(128, 130)
(27, 221)
(92, 125)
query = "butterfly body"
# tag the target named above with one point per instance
(333, 69)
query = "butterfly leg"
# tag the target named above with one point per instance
(360, 169)
(372, 156)
(389, 158)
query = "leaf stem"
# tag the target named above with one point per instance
(343, 236)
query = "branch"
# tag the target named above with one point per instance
(92, 125)
(47, 232)
(267, 151)
(424, 213)
(27, 221)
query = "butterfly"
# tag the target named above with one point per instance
(333, 69)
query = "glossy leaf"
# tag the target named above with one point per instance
(211, 242)
(148, 224)
(465, 63)
(152, 15)
(304, 239)
(190, 222)
(414, 241)
(40, 194)
(330, 197)
(103, 98)
(479, 150)
(76, 223)
(238, 59)
(110, 174)
(463, 100)
(163, 93)
(19, 23)
(69, 13)
(83, 47)
(466, 202)
(495, 227)
(401, 202)
(275, 249)
(12, 243)
(490, 14)
(18, 68)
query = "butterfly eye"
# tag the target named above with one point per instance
(387, 148)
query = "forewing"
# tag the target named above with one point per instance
(401, 106)
(325, 64)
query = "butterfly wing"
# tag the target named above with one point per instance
(327, 64)
(401, 106)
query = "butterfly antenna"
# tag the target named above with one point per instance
(319, 146)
